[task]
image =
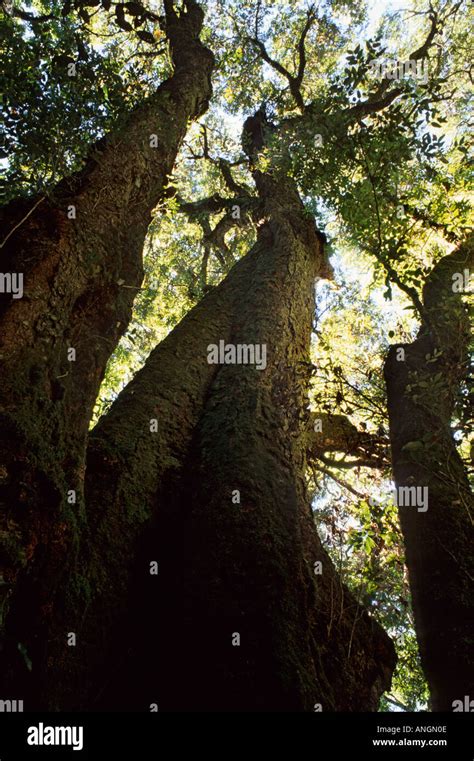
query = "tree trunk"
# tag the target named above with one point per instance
(80, 254)
(439, 541)
(217, 498)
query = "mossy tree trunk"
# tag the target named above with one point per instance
(80, 254)
(246, 612)
(423, 379)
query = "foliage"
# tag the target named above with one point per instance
(65, 82)
(389, 185)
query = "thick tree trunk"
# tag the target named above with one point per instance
(230, 565)
(80, 254)
(439, 540)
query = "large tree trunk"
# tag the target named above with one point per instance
(226, 567)
(438, 541)
(80, 253)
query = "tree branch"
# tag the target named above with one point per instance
(310, 19)
(377, 252)
(380, 99)
(199, 211)
(294, 81)
(421, 215)
(338, 434)
(25, 16)
(348, 464)
(224, 165)
(339, 481)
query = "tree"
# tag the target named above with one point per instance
(209, 446)
(79, 253)
(424, 379)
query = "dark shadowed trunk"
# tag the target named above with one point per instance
(423, 379)
(80, 255)
(246, 611)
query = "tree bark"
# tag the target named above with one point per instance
(248, 567)
(80, 254)
(421, 392)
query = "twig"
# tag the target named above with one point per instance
(22, 220)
